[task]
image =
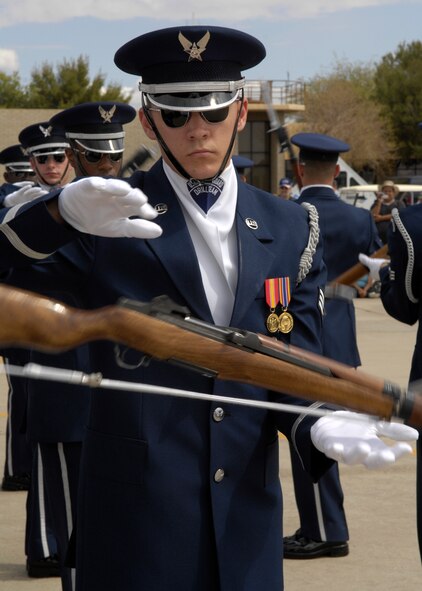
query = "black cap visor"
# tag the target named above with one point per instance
(103, 145)
(193, 101)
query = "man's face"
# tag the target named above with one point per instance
(199, 146)
(284, 191)
(389, 191)
(107, 165)
(51, 168)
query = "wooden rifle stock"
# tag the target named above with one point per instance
(33, 321)
(357, 271)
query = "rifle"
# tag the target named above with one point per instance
(141, 156)
(165, 331)
(283, 137)
(359, 270)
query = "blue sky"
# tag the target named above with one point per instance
(302, 37)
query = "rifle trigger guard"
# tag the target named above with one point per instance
(122, 358)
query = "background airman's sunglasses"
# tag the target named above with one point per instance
(95, 157)
(20, 173)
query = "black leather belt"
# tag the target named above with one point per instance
(339, 291)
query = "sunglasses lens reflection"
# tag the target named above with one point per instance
(42, 158)
(95, 157)
(176, 119)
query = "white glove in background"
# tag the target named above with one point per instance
(26, 193)
(373, 265)
(352, 438)
(102, 207)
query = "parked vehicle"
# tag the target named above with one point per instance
(364, 195)
(348, 177)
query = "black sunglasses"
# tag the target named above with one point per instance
(42, 158)
(95, 157)
(176, 119)
(20, 173)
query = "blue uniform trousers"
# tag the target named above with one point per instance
(18, 458)
(321, 511)
(61, 470)
(40, 541)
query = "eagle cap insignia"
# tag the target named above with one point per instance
(192, 48)
(107, 115)
(46, 131)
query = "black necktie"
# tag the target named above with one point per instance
(205, 193)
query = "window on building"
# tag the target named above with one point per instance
(254, 143)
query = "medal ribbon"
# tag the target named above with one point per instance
(272, 292)
(284, 289)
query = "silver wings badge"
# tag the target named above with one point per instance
(46, 131)
(107, 115)
(194, 49)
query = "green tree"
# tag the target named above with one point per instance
(70, 85)
(342, 104)
(58, 88)
(12, 95)
(398, 88)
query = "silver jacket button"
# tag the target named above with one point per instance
(218, 414)
(219, 475)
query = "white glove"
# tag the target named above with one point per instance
(373, 265)
(102, 207)
(352, 438)
(22, 195)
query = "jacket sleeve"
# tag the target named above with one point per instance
(28, 233)
(307, 305)
(400, 281)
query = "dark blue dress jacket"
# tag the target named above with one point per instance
(346, 231)
(405, 305)
(152, 513)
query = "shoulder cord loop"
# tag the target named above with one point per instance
(305, 262)
(410, 255)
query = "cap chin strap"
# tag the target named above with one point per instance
(81, 166)
(173, 159)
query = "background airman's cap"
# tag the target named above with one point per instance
(191, 67)
(97, 126)
(241, 162)
(15, 159)
(315, 146)
(43, 138)
(285, 182)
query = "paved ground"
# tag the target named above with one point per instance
(380, 505)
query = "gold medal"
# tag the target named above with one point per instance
(272, 296)
(273, 323)
(285, 322)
